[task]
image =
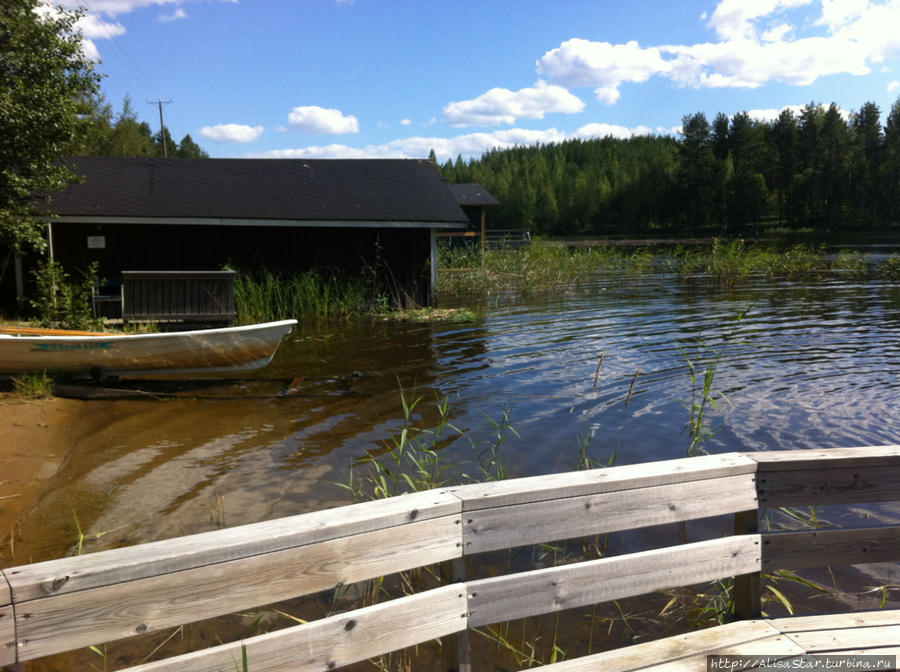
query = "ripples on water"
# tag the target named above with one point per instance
(810, 365)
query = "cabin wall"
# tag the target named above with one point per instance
(401, 255)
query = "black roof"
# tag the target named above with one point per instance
(347, 190)
(472, 194)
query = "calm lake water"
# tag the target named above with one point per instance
(811, 364)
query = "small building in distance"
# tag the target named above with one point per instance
(474, 200)
(350, 215)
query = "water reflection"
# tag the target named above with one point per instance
(810, 365)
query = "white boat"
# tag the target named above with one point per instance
(207, 350)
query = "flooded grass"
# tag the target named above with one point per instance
(543, 267)
(268, 296)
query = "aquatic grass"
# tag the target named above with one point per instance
(268, 296)
(702, 393)
(890, 269)
(852, 264)
(466, 271)
(34, 385)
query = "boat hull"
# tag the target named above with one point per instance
(212, 350)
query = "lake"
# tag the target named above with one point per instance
(798, 365)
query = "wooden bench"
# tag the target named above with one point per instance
(74, 602)
(183, 296)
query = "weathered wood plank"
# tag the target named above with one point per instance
(536, 522)
(838, 485)
(5, 591)
(770, 649)
(830, 548)
(815, 641)
(171, 555)
(746, 593)
(780, 460)
(674, 648)
(875, 651)
(595, 481)
(71, 620)
(338, 640)
(853, 619)
(7, 636)
(7, 624)
(546, 590)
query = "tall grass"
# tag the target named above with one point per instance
(544, 267)
(266, 296)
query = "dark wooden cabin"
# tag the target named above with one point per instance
(141, 214)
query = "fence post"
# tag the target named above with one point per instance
(455, 648)
(747, 602)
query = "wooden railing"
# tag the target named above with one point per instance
(73, 602)
(507, 237)
(186, 296)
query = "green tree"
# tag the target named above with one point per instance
(188, 149)
(46, 90)
(698, 174)
(835, 174)
(890, 166)
(130, 137)
(783, 141)
(170, 150)
(808, 183)
(865, 159)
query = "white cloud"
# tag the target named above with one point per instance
(839, 13)
(470, 145)
(750, 64)
(893, 86)
(597, 130)
(756, 45)
(231, 133)
(92, 26)
(735, 19)
(315, 119)
(502, 106)
(177, 15)
(771, 114)
(777, 33)
(405, 122)
(579, 62)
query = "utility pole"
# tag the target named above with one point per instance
(162, 126)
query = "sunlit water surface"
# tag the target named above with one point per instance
(810, 365)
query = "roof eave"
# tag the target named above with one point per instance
(234, 221)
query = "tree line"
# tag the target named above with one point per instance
(104, 133)
(818, 169)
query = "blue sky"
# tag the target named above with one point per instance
(379, 78)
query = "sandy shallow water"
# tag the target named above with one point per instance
(36, 437)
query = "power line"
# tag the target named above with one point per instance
(162, 126)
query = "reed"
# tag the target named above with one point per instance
(545, 267)
(267, 296)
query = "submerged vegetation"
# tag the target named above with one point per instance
(551, 267)
(467, 276)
